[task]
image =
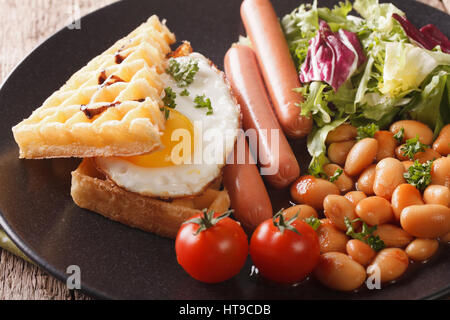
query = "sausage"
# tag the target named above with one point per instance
(275, 156)
(280, 74)
(248, 194)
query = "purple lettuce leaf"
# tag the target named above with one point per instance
(332, 57)
(427, 37)
(432, 32)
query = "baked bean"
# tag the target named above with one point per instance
(338, 151)
(412, 129)
(442, 143)
(445, 238)
(311, 191)
(331, 239)
(399, 154)
(391, 263)
(304, 211)
(344, 182)
(386, 144)
(360, 252)
(337, 208)
(361, 156)
(407, 164)
(344, 132)
(427, 155)
(440, 172)
(355, 197)
(375, 210)
(422, 249)
(339, 272)
(366, 179)
(393, 236)
(426, 221)
(388, 175)
(436, 194)
(405, 195)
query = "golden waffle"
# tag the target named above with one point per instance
(111, 107)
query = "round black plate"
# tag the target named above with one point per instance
(116, 261)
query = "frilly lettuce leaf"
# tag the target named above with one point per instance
(378, 16)
(432, 105)
(299, 27)
(317, 148)
(316, 102)
(406, 66)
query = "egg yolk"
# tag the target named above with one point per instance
(164, 157)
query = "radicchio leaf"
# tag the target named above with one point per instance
(432, 32)
(332, 57)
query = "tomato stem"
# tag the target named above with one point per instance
(282, 224)
(207, 220)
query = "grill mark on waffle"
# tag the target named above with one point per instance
(104, 80)
(92, 112)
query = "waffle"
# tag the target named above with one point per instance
(93, 191)
(111, 107)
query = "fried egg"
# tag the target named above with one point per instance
(196, 141)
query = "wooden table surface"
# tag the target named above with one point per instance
(23, 25)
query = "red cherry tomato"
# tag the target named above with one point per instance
(210, 248)
(285, 251)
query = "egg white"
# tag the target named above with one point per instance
(219, 129)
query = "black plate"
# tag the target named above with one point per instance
(117, 261)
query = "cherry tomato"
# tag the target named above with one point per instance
(285, 251)
(211, 248)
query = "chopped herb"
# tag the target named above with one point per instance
(336, 175)
(184, 93)
(183, 73)
(412, 146)
(169, 101)
(419, 175)
(400, 135)
(313, 222)
(367, 131)
(366, 234)
(203, 102)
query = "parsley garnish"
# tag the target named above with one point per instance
(400, 135)
(203, 102)
(419, 174)
(183, 73)
(184, 93)
(336, 175)
(169, 101)
(367, 131)
(366, 234)
(412, 146)
(313, 222)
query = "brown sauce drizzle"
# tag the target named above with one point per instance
(119, 58)
(92, 112)
(111, 80)
(183, 50)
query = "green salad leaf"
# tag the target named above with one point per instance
(399, 79)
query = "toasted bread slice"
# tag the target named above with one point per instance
(92, 190)
(111, 107)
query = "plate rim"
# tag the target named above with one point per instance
(61, 276)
